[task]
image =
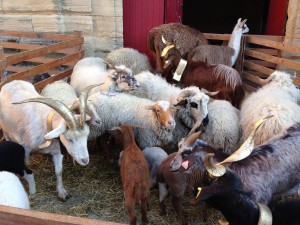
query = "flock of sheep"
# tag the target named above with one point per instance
(189, 131)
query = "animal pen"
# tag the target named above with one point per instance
(42, 58)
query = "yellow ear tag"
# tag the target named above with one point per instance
(199, 190)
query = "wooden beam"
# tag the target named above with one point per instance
(277, 60)
(224, 37)
(15, 216)
(259, 68)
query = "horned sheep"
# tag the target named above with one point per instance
(278, 97)
(92, 70)
(12, 192)
(134, 174)
(130, 58)
(26, 124)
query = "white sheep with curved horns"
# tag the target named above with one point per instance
(27, 125)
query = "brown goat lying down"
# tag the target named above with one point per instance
(134, 174)
(185, 37)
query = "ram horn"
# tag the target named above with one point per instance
(247, 147)
(265, 215)
(165, 41)
(83, 102)
(166, 50)
(261, 81)
(214, 170)
(58, 106)
(191, 138)
(186, 93)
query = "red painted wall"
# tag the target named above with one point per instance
(173, 11)
(276, 17)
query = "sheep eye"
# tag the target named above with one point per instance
(123, 76)
(157, 110)
(186, 153)
(194, 105)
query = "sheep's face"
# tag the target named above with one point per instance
(162, 110)
(124, 78)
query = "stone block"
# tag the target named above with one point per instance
(30, 5)
(82, 6)
(107, 8)
(16, 22)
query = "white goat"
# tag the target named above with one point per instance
(278, 97)
(90, 71)
(12, 192)
(31, 124)
(130, 58)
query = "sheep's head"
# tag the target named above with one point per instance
(170, 54)
(71, 129)
(241, 25)
(123, 77)
(162, 110)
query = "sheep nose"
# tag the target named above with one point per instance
(85, 161)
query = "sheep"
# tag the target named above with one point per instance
(32, 124)
(130, 58)
(222, 130)
(64, 92)
(134, 174)
(178, 184)
(185, 37)
(154, 118)
(271, 168)
(156, 88)
(211, 77)
(12, 192)
(231, 197)
(91, 71)
(12, 160)
(278, 97)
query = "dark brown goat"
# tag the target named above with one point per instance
(134, 174)
(186, 39)
(178, 184)
(211, 77)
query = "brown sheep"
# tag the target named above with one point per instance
(212, 77)
(186, 39)
(135, 174)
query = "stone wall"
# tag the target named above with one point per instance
(101, 21)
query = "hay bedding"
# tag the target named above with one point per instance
(96, 192)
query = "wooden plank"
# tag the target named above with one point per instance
(22, 56)
(263, 63)
(273, 59)
(268, 37)
(297, 81)
(259, 68)
(269, 51)
(225, 37)
(249, 88)
(14, 45)
(15, 216)
(273, 44)
(2, 64)
(41, 68)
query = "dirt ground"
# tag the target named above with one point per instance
(96, 192)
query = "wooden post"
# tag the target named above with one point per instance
(2, 65)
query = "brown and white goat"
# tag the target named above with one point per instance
(134, 173)
(212, 77)
(186, 37)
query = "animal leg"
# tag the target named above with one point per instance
(27, 154)
(176, 202)
(29, 177)
(57, 160)
(144, 204)
(129, 205)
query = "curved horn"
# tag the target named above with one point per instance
(165, 41)
(58, 106)
(186, 93)
(265, 215)
(83, 102)
(261, 81)
(109, 64)
(191, 138)
(215, 170)
(247, 147)
(166, 50)
(209, 93)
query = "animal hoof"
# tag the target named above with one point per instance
(63, 195)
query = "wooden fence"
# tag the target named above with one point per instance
(32, 56)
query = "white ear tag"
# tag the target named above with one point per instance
(179, 71)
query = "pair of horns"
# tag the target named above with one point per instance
(168, 47)
(62, 109)
(217, 170)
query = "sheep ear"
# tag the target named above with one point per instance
(182, 102)
(239, 20)
(62, 128)
(244, 21)
(113, 74)
(114, 130)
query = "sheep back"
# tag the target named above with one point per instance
(12, 192)
(131, 58)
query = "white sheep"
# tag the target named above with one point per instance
(222, 130)
(35, 126)
(154, 118)
(91, 71)
(129, 57)
(12, 192)
(156, 88)
(278, 97)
